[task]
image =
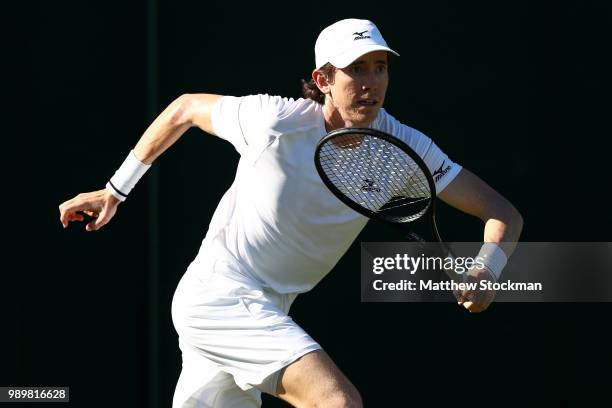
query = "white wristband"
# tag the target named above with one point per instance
(494, 258)
(126, 176)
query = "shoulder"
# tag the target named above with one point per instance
(283, 115)
(279, 105)
(440, 165)
(273, 110)
(254, 119)
(409, 135)
(299, 114)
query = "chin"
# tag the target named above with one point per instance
(364, 120)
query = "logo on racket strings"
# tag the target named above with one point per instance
(370, 186)
(360, 35)
(438, 174)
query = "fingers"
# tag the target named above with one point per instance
(75, 217)
(70, 216)
(81, 204)
(91, 204)
(69, 210)
(475, 301)
(474, 307)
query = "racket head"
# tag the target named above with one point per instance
(375, 174)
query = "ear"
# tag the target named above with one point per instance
(321, 81)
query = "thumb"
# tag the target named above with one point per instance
(99, 221)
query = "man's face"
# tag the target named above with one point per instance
(358, 91)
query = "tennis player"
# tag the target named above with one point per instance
(278, 231)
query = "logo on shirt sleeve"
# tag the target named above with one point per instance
(438, 174)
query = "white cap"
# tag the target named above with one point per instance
(346, 40)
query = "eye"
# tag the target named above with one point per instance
(356, 69)
(381, 68)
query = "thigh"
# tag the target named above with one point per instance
(241, 328)
(201, 384)
(313, 379)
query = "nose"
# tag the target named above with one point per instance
(368, 87)
(370, 82)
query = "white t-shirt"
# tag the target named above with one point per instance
(278, 223)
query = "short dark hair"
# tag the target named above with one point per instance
(310, 90)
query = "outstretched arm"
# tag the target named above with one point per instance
(502, 222)
(186, 111)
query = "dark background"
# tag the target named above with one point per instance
(517, 92)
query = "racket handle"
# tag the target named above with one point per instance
(444, 252)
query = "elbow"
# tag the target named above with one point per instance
(180, 111)
(517, 220)
(513, 220)
(502, 211)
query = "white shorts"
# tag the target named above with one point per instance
(235, 338)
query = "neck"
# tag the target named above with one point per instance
(332, 117)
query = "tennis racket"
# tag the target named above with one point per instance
(381, 177)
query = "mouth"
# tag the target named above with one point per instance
(367, 102)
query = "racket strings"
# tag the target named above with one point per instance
(376, 175)
(388, 207)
